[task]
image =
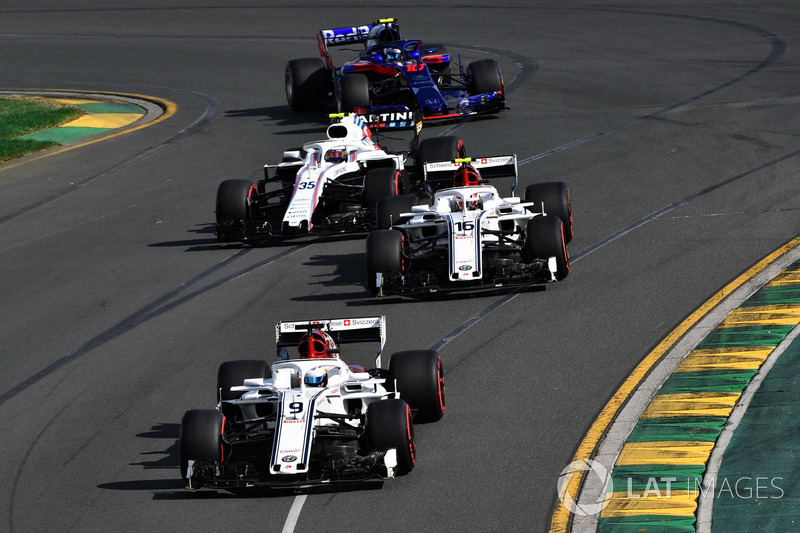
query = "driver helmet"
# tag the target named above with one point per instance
(336, 155)
(316, 377)
(473, 201)
(466, 176)
(316, 344)
(393, 54)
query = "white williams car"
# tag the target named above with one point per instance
(325, 187)
(309, 418)
(469, 237)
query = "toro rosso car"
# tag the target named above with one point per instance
(392, 77)
(310, 419)
(326, 187)
(470, 237)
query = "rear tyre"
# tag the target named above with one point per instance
(353, 93)
(552, 197)
(306, 83)
(484, 76)
(389, 425)
(419, 378)
(384, 255)
(233, 199)
(233, 373)
(380, 183)
(201, 437)
(443, 148)
(545, 239)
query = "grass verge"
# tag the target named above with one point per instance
(23, 116)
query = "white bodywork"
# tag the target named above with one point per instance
(314, 172)
(299, 407)
(467, 226)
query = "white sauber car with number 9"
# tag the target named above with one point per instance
(312, 419)
(469, 237)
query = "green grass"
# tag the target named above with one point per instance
(23, 116)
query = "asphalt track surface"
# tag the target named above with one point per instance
(674, 123)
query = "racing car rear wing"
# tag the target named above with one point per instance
(350, 35)
(343, 330)
(439, 174)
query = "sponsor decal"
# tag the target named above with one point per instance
(397, 116)
(288, 458)
(442, 166)
(465, 268)
(290, 451)
(345, 35)
(297, 421)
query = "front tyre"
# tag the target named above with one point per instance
(389, 209)
(389, 426)
(384, 255)
(419, 378)
(201, 437)
(544, 238)
(483, 77)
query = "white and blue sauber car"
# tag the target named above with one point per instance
(467, 236)
(310, 419)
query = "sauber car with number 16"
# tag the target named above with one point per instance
(470, 237)
(311, 419)
(392, 77)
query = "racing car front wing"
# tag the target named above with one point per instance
(503, 276)
(375, 467)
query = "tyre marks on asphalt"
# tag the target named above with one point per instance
(167, 302)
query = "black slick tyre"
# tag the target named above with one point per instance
(353, 93)
(201, 437)
(552, 198)
(419, 378)
(389, 426)
(445, 148)
(384, 255)
(380, 183)
(544, 238)
(484, 76)
(389, 209)
(233, 198)
(306, 83)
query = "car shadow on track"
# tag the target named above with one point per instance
(284, 116)
(349, 272)
(174, 488)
